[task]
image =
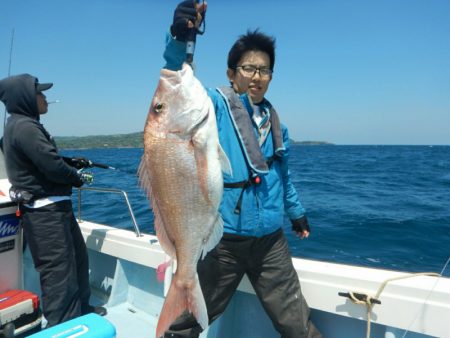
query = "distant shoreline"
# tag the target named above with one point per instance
(312, 143)
(135, 140)
(131, 140)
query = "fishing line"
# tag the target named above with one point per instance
(9, 71)
(192, 33)
(428, 296)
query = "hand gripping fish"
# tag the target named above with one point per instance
(181, 170)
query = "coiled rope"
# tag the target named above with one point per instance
(370, 301)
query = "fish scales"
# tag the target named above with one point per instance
(180, 202)
(181, 170)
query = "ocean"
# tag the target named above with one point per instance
(376, 206)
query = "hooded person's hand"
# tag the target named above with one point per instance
(187, 15)
(87, 177)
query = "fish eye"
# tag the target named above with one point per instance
(158, 107)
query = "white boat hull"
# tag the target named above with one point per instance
(123, 276)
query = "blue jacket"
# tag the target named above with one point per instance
(263, 205)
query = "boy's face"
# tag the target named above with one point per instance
(254, 79)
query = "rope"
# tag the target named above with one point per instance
(370, 301)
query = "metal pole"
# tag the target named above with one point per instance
(116, 191)
(79, 205)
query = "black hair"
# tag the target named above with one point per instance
(252, 41)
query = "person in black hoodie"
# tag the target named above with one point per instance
(41, 182)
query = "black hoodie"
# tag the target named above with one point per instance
(31, 156)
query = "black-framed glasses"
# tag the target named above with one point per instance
(250, 70)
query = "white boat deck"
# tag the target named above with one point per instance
(137, 321)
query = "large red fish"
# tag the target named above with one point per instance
(181, 170)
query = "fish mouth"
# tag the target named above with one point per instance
(173, 77)
(171, 74)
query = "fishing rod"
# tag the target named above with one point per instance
(192, 33)
(100, 165)
(84, 163)
(81, 164)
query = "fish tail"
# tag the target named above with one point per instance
(182, 297)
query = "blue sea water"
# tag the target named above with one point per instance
(376, 206)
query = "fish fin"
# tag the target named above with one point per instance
(158, 224)
(169, 275)
(164, 240)
(161, 270)
(214, 237)
(181, 298)
(201, 161)
(144, 179)
(224, 161)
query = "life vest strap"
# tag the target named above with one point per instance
(253, 179)
(235, 185)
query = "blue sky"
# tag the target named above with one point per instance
(347, 71)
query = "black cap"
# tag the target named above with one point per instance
(40, 87)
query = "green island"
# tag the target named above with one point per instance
(132, 140)
(311, 143)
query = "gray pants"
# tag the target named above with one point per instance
(60, 256)
(268, 265)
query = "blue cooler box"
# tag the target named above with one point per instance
(87, 326)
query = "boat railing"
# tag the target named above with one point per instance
(114, 191)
